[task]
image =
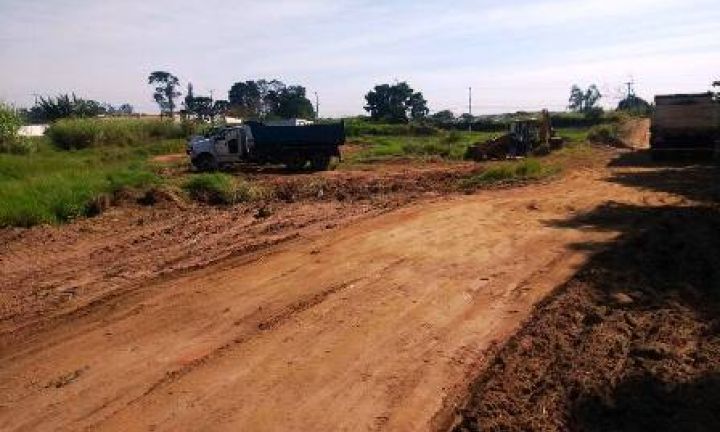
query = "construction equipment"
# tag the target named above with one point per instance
(685, 125)
(254, 142)
(527, 136)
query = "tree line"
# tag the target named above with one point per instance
(267, 99)
(391, 103)
(49, 109)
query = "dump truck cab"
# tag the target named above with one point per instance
(219, 146)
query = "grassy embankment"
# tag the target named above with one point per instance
(80, 162)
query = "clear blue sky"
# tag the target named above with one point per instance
(515, 54)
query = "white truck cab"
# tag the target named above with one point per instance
(220, 146)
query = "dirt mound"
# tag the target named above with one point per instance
(631, 343)
(635, 133)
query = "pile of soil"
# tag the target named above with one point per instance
(632, 342)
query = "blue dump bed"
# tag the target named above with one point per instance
(316, 135)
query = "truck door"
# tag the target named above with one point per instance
(221, 146)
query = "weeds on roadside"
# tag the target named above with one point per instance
(526, 169)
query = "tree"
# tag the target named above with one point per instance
(635, 105)
(467, 118)
(245, 99)
(220, 107)
(444, 116)
(395, 103)
(262, 99)
(125, 109)
(166, 92)
(292, 103)
(584, 101)
(190, 99)
(66, 105)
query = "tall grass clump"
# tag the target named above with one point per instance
(64, 195)
(605, 134)
(526, 169)
(211, 188)
(80, 133)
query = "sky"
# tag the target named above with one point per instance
(516, 55)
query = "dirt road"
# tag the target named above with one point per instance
(375, 326)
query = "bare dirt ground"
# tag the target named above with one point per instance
(631, 342)
(334, 314)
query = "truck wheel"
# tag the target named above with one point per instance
(205, 162)
(320, 162)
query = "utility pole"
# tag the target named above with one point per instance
(630, 88)
(317, 106)
(470, 109)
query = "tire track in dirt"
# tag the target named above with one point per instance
(376, 325)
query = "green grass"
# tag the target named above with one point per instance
(356, 127)
(80, 133)
(55, 186)
(526, 169)
(447, 145)
(212, 188)
(223, 189)
(605, 134)
(574, 134)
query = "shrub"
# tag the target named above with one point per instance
(211, 188)
(526, 169)
(605, 134)
(79, 133)
(10, 123)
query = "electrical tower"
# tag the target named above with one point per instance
(630, 88)
(470, 109)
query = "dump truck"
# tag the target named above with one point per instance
(524, 137)
(297, 147)
(685, 125)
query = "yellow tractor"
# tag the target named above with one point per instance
(528, 136)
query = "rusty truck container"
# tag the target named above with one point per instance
(685, 124)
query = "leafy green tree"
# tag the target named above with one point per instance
(220, 107)
(467, 118)
(584, 101)
(166, 85)
(395, 103)
(66, 105)
(203, 107)
(292, 103)
(262, 99)
(246, 99)
(126, 109)
(444, 116)
(635, 105)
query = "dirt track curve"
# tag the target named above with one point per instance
(375, 326)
